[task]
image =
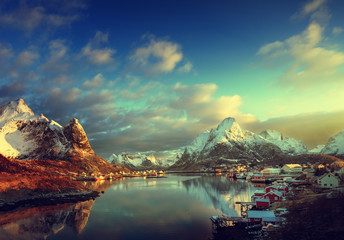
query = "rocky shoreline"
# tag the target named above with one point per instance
(47, 199)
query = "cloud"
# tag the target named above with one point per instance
(27, 57)
(96, 82)
(199, 103)
(309, 63)
(28, 16)
(185, 68)
(95, 54)
(312, 6)
(337, 30)
(158, 56)
(57, 48)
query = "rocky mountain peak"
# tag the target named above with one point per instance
(19, 106)
(226, 124)
(271, 134)
(15, 110)
(335, 145)
(76, 135)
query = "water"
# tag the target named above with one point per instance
(176, 207)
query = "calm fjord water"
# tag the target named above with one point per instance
(176, 207)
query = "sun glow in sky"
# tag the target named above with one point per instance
(149, 76)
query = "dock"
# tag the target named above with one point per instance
(245, 206)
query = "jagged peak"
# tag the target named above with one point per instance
(271, 134)
(17, 106)
(226, 124)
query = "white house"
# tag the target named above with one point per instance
(292, 168)
(328, 180)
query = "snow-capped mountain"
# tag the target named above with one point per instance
(229, 142)
(24, 135)
(317, 149)
(335, 145)
(139, 161)
(287, 145)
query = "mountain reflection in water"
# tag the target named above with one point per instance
(177, 207)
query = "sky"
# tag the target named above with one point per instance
(149, 76)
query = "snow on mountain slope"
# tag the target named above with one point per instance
(229, 141)
(24, 135)
(335, 145)
(17, 122)
(139, 160)
(317, 149)
(287, 145)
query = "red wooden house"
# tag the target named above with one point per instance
(274, 196)
(262, 203)
(280, 188)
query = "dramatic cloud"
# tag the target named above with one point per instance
(309, 64)
(312, 6)
(96, 82)
(157, 57)
(28, 16)
(27, 57)
(95, 54)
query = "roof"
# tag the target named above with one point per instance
(260, 214)
(262, 200)
(259, 191)
(293, 165)
(321, 177)
(274, 192)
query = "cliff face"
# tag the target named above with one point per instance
(24, 135)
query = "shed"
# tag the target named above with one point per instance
(262, 203)
(257, 216)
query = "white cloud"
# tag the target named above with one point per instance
(57, 48)
(157, 57)
(312, 6)
(310, 64)
(95, 54)
(185, 68)
(27, 57)
(337, 30)
(199, 103)
(28, 18)
(96, 82)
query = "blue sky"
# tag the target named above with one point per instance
(149, 76)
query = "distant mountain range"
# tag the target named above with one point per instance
(24, 135)
(229, 142)
(140, 161)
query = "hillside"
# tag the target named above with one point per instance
(230, 143)
(24, 135)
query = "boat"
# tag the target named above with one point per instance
(242, 175)
(99, 178)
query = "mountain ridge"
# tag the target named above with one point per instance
(24, 135)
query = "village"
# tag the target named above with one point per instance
(279, 188)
